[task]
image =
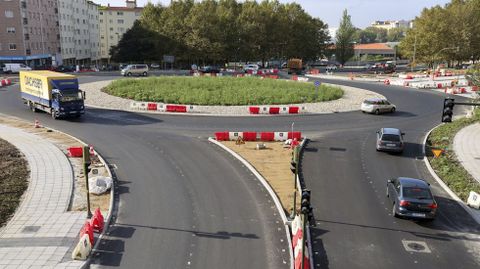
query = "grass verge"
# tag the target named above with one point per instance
(13, 179)
(447, 166)
(226, 91)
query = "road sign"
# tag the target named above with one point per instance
(437, 152)
(317, 83)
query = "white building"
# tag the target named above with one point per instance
(79, 32)
(392, 24)
(114, 22)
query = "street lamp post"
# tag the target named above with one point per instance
(435, 57)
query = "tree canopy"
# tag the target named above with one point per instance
(449, 33)
(217, 31)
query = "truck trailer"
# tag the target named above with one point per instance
(295, 66)
(55, 93)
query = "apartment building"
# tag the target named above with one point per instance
(29, 32)
(79, 32)
(392, 24)
(114, 22)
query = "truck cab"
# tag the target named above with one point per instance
(67, 99)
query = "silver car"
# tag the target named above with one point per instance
(377, 106)
(135, 69)
(390, 139)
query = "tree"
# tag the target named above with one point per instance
(344, 36)
(396, 34)
(137, 44)
(473, 75)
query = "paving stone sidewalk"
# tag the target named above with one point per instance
(42, 233)
(466, 145)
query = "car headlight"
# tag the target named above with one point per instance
(62, 109)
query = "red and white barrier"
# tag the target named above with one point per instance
(232, 136)
(5, 82)
(297, 231)
(298, 257)
(273, 110)
(280, 136)
(254, 136)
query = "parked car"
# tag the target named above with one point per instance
(411, 198)
(15, 68)
(64, 68)
(332, 67)
(135, 69)
(390, 139)
(209, 69)
(377, 106)
(251, 68)
(155, 66)
(2, 66)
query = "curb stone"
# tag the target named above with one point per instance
(442, 184)
(112, 193)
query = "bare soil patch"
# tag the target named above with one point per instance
(14, 175)
(273, 163)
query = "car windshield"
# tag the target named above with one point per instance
(416, 193)
(70, 96)
(391, 137)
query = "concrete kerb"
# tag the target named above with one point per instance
(267, 187)
(110, 209)
(442, 184)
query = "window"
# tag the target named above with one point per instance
(11, 30)
(12, 46)
(120, 13)
(111, 21)
(120, 21)
(101, 21)
(101, 13)
(25, 21)
(23, 4)
(102, 37)
(8, 13)
(28, 52)
(111, 28)
(0, 46)
(27, 37)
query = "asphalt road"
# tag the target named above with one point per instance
(186, 204)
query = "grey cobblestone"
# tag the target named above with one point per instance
(39, 234)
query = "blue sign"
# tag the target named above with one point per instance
(317, 83)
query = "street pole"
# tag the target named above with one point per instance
(294, 180)
(86, 163)
(414, 52)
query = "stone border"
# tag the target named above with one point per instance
(440, 181)
(350, 101)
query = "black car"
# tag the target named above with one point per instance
(411, 198)
(209, 69)
(65, 68)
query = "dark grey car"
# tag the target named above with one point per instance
(411, 198)
(390, 139)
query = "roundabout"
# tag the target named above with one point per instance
(183, 203)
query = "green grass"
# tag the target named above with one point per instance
(221, 91)
(447, 165)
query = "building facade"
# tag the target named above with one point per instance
(374, 49)
(29, 32)
(114, 22)
(79, 32)
(392, 24)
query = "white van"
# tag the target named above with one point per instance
(15, 68)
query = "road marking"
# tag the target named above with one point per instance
(416, 246)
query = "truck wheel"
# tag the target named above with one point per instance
(54, 115)
(32, 107)
(129, 74)
(144, 74)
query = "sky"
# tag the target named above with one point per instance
(363, 12)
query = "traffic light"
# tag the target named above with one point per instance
(305, 202)
(447, 112)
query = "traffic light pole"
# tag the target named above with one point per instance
(86, 163)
